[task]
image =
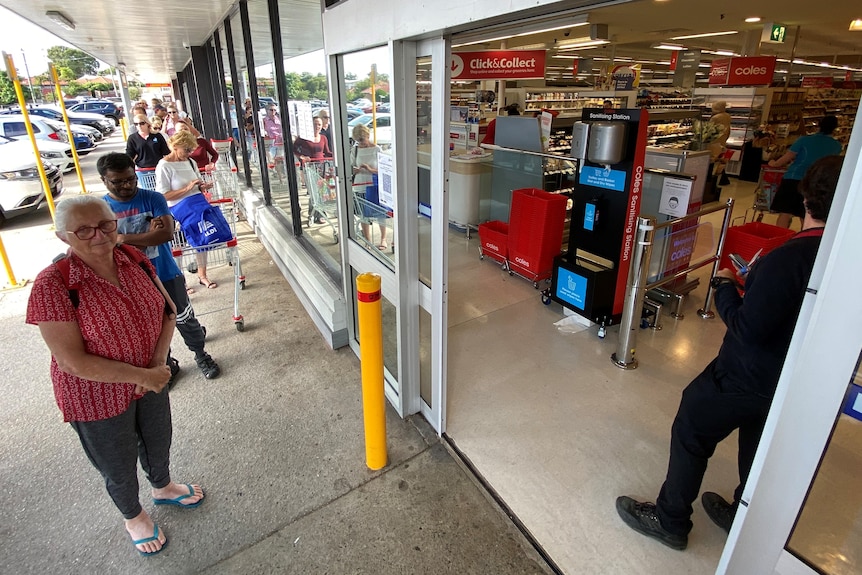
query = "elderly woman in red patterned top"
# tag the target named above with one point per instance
(108, 323)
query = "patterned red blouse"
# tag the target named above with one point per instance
(117, 323)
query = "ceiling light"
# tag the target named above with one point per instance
(569, 25)
(584, 45)
(668, 47)
(856, 25)
(753, 20)
(706, 35)
(60, 19)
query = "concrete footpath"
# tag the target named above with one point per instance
(276, 442)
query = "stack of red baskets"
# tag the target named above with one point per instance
(747, 239)
(536, 225)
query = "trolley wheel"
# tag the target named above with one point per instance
(536, 285)
(192, 267)
(546, 296)
(240, 325)
(242, 284)
(481, 256)
(511, 273)
(335, 235)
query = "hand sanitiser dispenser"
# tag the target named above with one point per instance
(580, 140)
(607, 143)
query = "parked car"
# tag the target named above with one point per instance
(15, 126)
(20, 185)
(265, 101)
(96, 121)
(384, 128)
(84, 142)
(102, 107)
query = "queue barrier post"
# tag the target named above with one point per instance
(624, 357)
(10, 275)
(371, 357)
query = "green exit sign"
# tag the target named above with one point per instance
(774, 33)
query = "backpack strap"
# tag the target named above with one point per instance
(61, 262)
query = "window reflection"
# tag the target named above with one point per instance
(828, 531)
(369, 139)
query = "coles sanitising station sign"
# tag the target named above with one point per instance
(750, 71)
(498, 64)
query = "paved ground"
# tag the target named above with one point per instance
(277, 443)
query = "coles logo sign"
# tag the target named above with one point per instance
(494, 64)
(752, 71)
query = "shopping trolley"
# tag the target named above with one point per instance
(320, 182)
(146, 178)
(764, 193)
(225, 175)
(368, 211)
(217, 254)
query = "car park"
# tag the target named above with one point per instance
(101, 107)
(383, 129)
(21, 189)
(101, 123)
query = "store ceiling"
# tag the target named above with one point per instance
(121, 31)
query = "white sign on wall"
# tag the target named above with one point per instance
(301, 119)
(675, 195)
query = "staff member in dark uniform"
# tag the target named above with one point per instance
(146, 149)
(736, 389)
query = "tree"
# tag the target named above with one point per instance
(7, 90)
(78, 62)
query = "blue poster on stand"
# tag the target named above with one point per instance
(589, 216)
(603, 178)
(572, 288)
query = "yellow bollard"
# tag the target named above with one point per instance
(371, 358)
(123, 127)
(13, 75)
(13, 283)
(62, 104)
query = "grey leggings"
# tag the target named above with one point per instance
(112, 445)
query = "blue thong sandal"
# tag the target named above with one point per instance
(177, 500)
(155, 537)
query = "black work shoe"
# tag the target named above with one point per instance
(208, 366)
(719, 510)
(642, 518)
(175, 369)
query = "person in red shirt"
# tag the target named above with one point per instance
(108, 323)
(314, 150)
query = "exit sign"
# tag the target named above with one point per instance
(774, 33)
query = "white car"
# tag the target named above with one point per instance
(14, 126)
(20, 185)
(50, 141)
(383, 128)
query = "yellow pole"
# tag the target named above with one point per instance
(374, 103)
(60, 100)
(13, 75)
(371, 358)
(123, 127)
(13, 283)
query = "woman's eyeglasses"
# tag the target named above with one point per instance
(89, 232)
(172, 112)
(140, 123)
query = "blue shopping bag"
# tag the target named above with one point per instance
(202, 224)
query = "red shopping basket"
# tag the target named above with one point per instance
(747, 239)
(535, 231)
(494, 240)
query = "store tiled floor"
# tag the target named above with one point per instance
(559, 432)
